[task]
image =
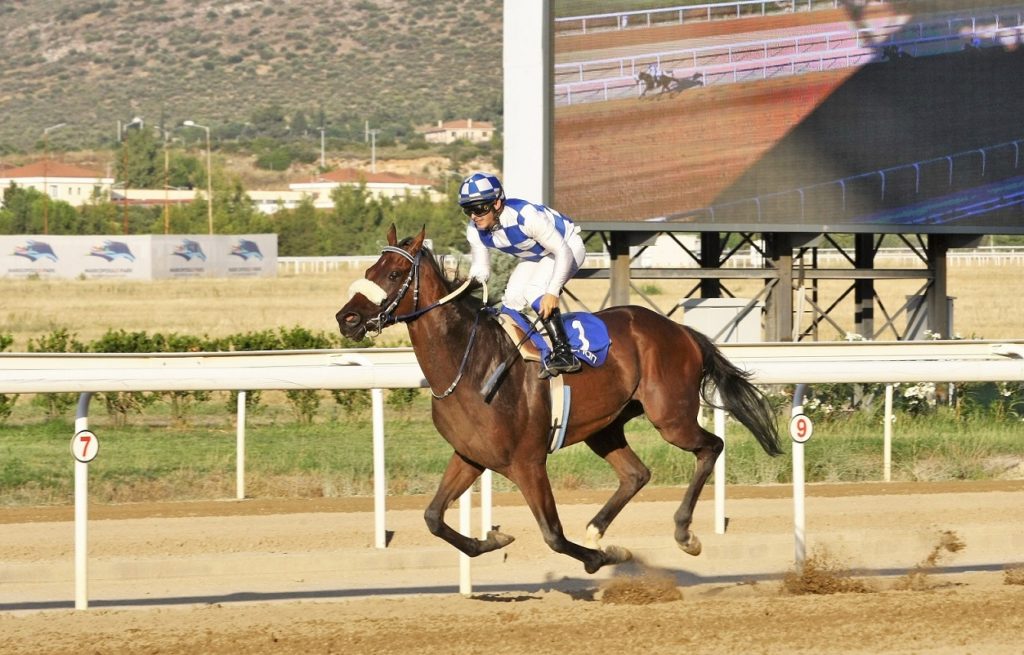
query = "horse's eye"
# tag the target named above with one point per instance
(394, 275)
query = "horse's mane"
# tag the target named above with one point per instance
(467, 299)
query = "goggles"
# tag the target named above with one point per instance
(478, 210)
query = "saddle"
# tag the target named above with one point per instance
(587, 334)
(589, 339)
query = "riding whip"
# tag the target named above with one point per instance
(487, 390)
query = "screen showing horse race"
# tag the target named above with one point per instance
(791, 116)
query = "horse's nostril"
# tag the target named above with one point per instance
(352, 318)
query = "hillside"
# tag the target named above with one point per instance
(92, 63)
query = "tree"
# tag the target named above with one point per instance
(298, 231)
(140, 160)
(299, 126)
(184, 171)
(270, 122)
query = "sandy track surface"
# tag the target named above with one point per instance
(303, 576)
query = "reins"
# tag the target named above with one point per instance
(387, 316)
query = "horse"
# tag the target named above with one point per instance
(654, 366)
(652, 82)
(667, 83)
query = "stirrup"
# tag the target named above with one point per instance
(550, 369)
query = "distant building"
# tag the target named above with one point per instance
(267, 202)
(78, 186)
(379, 185)
(449, 131)
(72, 184)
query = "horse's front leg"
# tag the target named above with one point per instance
(458, 477)
(536, 488)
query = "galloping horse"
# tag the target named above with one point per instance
(667, 83)
(651, 82)
(655, 366)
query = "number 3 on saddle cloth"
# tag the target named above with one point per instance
(588, 337)
(587, 334)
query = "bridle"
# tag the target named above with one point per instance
(387, 317)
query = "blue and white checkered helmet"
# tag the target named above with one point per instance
(480, 187)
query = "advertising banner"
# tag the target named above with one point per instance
(138, 257)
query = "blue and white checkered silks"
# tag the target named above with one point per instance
(479, 187)
(510, 238)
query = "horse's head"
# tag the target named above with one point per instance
(382, 296)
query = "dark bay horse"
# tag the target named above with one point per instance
(655, 366)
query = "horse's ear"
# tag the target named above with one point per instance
(417, 243)
(392, 236)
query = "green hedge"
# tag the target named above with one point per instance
(304, 402)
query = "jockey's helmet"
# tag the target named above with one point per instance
(480, 187)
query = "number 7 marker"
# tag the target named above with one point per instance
(85, 446)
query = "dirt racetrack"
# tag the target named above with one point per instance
(302, 576)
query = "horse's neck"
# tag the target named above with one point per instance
(445, 327)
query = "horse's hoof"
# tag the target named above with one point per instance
(691, 546)
(499, 539)
(617, 555)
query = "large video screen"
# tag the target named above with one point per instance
(792, 116)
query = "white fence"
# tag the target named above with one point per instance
(981, 256)
(687, 14)
(376, 369)
(601, 80)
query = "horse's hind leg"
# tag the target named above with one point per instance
(532, 480)
(610, 444)
(458, 477)
(706, 447)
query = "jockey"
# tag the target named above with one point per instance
(547, 243)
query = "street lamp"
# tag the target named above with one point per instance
(46, 166)
(373, 150)
(209, 173)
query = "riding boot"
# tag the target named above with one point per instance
(561, 359)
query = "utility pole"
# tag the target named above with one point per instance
(323, 161)
(373, 150)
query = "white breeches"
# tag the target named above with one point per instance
(531, 280)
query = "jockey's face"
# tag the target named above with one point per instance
(489, 219)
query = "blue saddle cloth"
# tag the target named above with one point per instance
(587, 334)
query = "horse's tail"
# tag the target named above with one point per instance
(739, 397)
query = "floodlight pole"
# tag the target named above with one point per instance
(46, 166)
(209, 174)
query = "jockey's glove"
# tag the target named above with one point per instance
(479, 273)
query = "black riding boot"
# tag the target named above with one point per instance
(561, 359)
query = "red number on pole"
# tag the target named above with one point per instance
(800, 428)
(84, 446)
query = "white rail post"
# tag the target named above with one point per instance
(800, 429)
(380, 486)
(465, 516)
(82, 511)
(486, 502)
(887, 431)
(720, 468)
(240, 448)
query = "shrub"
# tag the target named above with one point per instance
(57, 341)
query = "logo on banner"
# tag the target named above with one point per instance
(111, 250)
(189, 250)
(36, 250)
(247, 250)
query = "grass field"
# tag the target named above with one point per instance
(983, 306)
(154, 458)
